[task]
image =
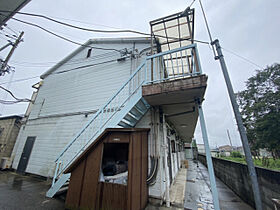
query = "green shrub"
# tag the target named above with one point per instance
(236, 154)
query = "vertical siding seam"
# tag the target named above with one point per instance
(82, 184)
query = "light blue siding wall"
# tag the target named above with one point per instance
(55, 118)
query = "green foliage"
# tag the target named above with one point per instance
(272, 164)
(236, 154)
(260, 109)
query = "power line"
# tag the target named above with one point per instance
(61, 37)
(11, 102)
(18, 99)
(78, 27)
(243, 58)
(10, 34)
(21, 80)
(210, 36)
(192, 3)
(88, 23)
(71, 62)
(85, 66)
(17, 33)
(207, 27)
(93, 30)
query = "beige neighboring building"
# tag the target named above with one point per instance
(9, 129)
(225, 150)
(200, 148)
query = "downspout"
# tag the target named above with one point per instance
(165, 162)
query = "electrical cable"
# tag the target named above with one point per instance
(20, 80)
(207, 26)
(78, 27)
(192, 3)
(3, 36)
(11, 102)
(61, 37)
(91, 30)
(243, 58)
(18, 99)
(8, 33)
(85, 66)
(71, 62)
(210, 37)
(64, 71)
(12, 30)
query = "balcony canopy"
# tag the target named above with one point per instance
(174, 31)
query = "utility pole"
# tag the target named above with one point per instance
(5, 62)
(5, 46)
(229, 138)
(242, 132)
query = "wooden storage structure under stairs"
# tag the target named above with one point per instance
(111, 174)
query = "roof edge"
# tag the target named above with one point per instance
(95, 41)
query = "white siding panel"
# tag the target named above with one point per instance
(69, 89)
(81, 84)
(52, 134)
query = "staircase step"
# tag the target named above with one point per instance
(62, 190)
(139, 110)
(136, 113)
(130, 118)
(124, 124)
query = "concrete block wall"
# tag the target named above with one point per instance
(236, 177)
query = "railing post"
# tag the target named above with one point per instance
(146, 70)
(55, 172)
(208, 156)
(197, 60)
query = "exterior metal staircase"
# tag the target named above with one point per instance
(127, 106)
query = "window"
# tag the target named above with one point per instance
(173, 146)
(114, 167)
(89, 52)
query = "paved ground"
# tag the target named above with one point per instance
(177, 189)
(198, 194)
(28, 193)
(19, 192)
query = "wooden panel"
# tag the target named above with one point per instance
(112, 196)
(144, 152)
(90, 184)
(135, 172)
(75, 186)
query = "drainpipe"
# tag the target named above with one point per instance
(165, 162)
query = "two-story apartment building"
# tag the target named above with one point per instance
(117, 83)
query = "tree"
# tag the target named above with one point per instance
(259, 104)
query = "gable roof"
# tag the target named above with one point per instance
(95, 41)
